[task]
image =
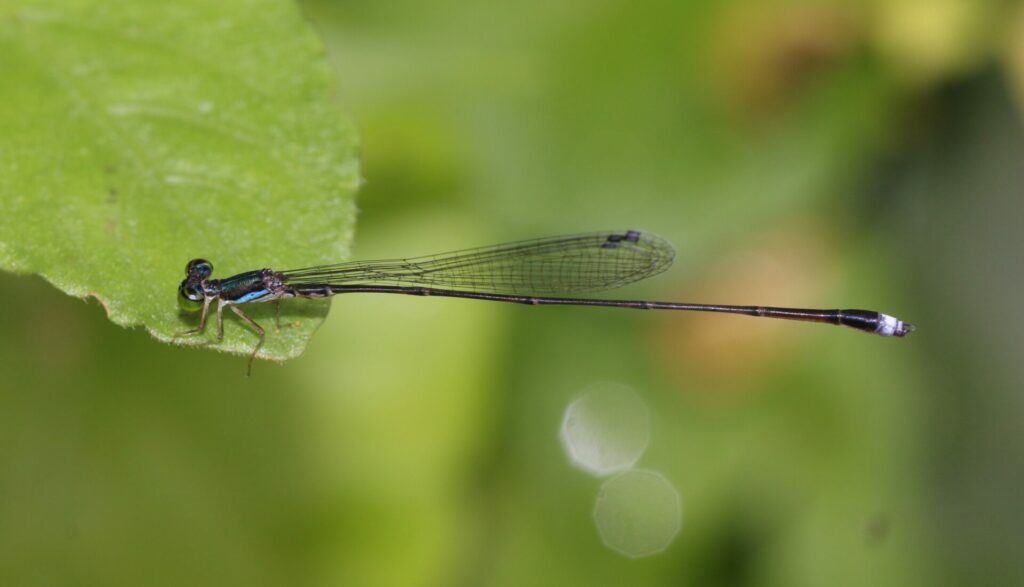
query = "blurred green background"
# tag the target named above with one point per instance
(826, 154)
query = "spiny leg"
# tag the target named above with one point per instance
(277, 315)
(202, 321)
(259, 330)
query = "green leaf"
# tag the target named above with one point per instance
(135, 136)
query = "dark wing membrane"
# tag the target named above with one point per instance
(562, 264)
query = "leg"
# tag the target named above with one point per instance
(259, 330)
(220, 320)
(277, 315)
(202, 321)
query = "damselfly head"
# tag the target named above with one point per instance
(191, 291)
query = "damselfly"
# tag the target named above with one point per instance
(533, 272)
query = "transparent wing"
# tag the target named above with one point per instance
(563, 264)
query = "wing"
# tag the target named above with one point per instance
(563, 264)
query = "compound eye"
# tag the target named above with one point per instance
(200, 267)
(189, 299)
